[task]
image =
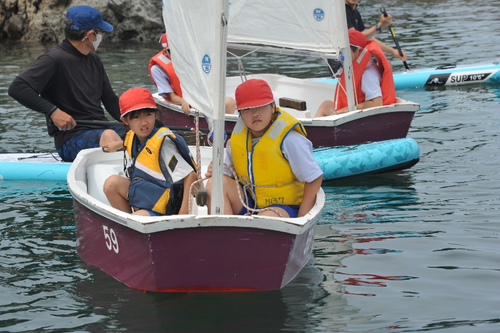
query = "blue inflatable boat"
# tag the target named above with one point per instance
(336, 162)
(367, 158)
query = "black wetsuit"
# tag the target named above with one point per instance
(65, 78)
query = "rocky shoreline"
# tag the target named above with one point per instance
(42, 20)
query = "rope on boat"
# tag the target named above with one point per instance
(201, 193)
(198, 154)
(248, 188)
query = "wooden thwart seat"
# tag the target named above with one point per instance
(293, 103)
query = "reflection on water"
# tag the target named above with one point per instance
(370, 199)
(208, 312)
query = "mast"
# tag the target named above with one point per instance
(346, 51)
(217, 202)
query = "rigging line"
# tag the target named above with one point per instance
(241, 68)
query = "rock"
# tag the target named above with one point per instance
(14, 27)
(43, 21)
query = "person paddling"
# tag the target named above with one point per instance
(355, 21)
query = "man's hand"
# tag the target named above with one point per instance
(385, 21)
(62, 120)
(395, 54)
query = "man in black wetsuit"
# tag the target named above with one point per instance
(68, 84)
(354, 21)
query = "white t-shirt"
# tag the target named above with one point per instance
(161, 79)
(370, 82)
(297, 150)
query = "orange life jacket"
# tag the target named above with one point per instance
(161, 60)
(359, 65)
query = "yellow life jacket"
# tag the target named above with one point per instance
(263, 164)
(150, 187)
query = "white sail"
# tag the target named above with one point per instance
(318, 26)
(197, 37)
(298, 24)
(198, 56)
(193, 30)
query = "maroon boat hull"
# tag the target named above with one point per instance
(191, 259)
(378, 127)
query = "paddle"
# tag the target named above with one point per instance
(102, 123)
(391, 29)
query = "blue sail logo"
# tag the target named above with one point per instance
(206, 64)
(319, 14)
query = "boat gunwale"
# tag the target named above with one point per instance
(328, 121)
(151, 224)
(401, 105)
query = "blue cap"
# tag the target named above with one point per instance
(86, 17)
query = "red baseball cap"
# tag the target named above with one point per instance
(253, 93)
(357, 39)
(164, 41)
(136, 99)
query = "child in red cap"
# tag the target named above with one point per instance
(165, 79)
(373, 81)
(272, 158)
(159, 166)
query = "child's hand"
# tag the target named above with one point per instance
(208, 174)
(185, 107)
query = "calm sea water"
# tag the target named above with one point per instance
(416, 250)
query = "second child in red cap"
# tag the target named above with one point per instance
(159, 167)
(271, 156)
(372, 79)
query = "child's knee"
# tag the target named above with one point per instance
(108, 136)
(110, 183)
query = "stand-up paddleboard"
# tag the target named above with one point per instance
(336, 162)
(447, 75)
(33, 166)
(375, 157)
